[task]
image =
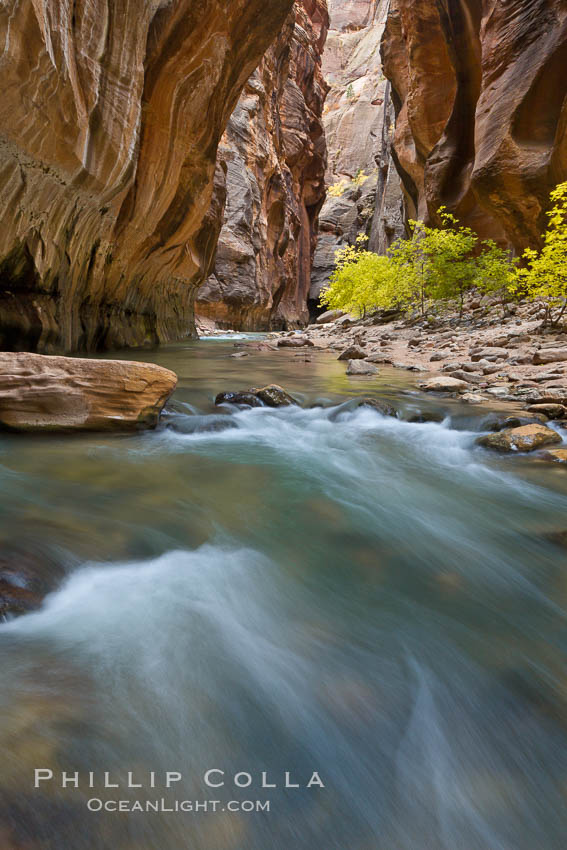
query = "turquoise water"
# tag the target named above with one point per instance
(298, 590)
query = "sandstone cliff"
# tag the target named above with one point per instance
(481, 97)
(275, 155)
(110, 118)
(365, 190)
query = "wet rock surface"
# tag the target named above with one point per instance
(270, 396)
(275, 396)
(555, 455)
(383, 407)
(25, 578)
(249, 399)
(527, 438)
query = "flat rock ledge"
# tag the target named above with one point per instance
(43, 393)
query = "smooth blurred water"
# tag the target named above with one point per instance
(320, 589)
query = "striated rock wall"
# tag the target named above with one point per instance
(110, 118)
(358, 120)
(481, 97)
(275, 156)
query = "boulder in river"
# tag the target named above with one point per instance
(527, 438)
(383, 407)
(244, 398)
(361, 367)
(44, 393)
(274, 396)
(353, 352)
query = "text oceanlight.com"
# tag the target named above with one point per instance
(160, 806)
(170, 781)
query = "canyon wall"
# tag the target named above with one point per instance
(275, 155)
(365, 194)
(110, 118)
(480, 89)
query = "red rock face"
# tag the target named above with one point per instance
(110, 117)
(275, 154)
(481, 96)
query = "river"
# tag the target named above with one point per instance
(317, 590)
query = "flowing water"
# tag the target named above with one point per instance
(298, 590)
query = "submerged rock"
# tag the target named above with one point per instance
(424, 416)
(25, 578)
(16, 600)
(42, 393)
(556, 455)
(361, 367)
(383, 407)
(213, 424)
(527, 438)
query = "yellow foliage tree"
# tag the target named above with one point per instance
(544, 277)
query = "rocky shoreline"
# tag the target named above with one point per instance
(482, 359)
(486, 359)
